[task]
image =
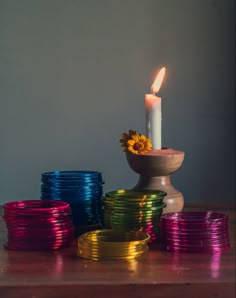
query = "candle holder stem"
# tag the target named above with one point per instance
(174, 200)
(149, 182)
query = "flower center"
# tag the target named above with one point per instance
(138, 146)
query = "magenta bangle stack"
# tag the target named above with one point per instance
(195, 231)
(38, 225)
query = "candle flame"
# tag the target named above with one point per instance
(158, 81)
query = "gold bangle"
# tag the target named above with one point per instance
(110, 245)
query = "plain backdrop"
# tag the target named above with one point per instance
(73, 75)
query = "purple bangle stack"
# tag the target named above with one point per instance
(38, 225)
(195, 231)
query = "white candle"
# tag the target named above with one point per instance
(153, 119)
(153, 112)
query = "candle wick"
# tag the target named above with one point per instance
(153, 91)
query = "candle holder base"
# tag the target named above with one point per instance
(155, 168)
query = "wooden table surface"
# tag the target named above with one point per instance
(158, 274)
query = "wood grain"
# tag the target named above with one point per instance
(154, 169)
(156, 163)
(158, 274)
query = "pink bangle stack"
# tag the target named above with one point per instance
(195, 231)
(38, 225)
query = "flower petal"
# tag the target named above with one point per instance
(131, 142)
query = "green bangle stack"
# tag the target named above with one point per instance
(129, 210)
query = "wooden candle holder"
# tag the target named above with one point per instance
(155, 168)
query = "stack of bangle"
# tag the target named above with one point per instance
(38, 225)
(129, 210)
(110, 245)
(195, 231)
(81, 189)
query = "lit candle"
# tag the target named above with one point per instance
(153, 111)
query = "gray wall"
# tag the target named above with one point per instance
(73, 75)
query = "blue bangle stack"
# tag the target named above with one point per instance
(81, 189)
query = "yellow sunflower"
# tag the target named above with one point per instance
(135, 143)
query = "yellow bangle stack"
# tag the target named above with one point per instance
(110, 245)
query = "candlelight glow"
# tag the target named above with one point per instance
(158, 81)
